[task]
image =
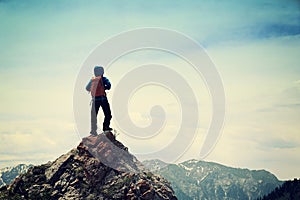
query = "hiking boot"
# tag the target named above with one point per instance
(94, 133)
(107, 129)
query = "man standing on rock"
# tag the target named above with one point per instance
(97, 86)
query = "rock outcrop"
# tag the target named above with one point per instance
(99, 168)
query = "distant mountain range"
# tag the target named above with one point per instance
(193, 180)
(8, 174)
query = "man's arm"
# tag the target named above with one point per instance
(106, 83)
(88, 86)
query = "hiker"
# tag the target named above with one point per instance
(97, 86)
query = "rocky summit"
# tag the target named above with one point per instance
(99, 168)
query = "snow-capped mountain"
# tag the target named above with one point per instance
(207, 180)
(8, 174)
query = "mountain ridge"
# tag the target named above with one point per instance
(195, 179)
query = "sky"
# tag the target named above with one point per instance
(255, 46)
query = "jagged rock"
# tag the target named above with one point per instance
(111, 153)
(8, 174)
(99, 168)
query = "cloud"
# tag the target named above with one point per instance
(280, 144)
(244, 23)
(288, 99)
(36, 140)
(50, 23)
(43, 43)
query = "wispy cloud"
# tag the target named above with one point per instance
(280, 144)
(31, 140)
(255, 45)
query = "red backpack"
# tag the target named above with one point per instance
(97, 87)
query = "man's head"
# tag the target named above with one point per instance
(98, 71)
